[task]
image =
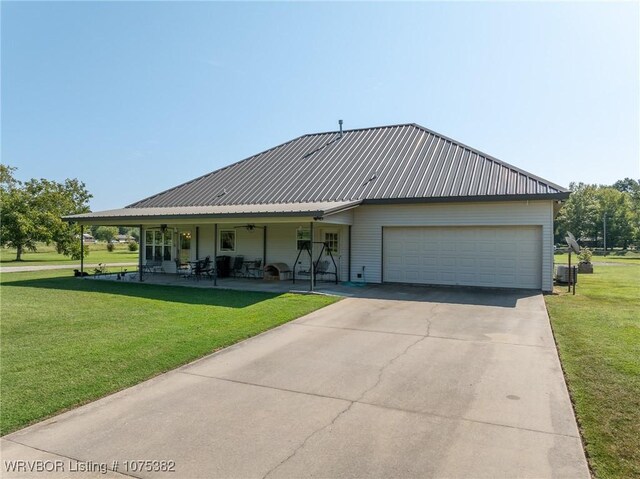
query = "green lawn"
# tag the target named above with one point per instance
(47, 254)
(66, 341)
(598, 337)
(632, 257)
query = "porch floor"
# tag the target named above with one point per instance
(243, 284)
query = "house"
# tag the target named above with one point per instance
(87, 238)
(396, 203)
(124, 239)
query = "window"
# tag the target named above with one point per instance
(303, 237)
(331, 242)
(158, 245)
(228, 240)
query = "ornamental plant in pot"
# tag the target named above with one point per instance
(585, 265)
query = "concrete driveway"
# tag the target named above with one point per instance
(407, 382)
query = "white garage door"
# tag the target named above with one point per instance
(509, 257)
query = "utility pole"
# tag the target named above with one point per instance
(604, 234)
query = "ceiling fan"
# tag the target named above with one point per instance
(249, 227)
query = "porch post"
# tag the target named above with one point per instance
(349, 257)
(140, 250)
(81, 251)
(197, 242)
(215, 254)
(264, 247)
(312, 267)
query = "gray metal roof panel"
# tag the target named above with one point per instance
(321, 208)
(406, 161)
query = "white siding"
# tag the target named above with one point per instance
(366, 240)
(344, 217)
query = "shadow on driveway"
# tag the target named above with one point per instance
(503, 298)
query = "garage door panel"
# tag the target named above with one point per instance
(475, 256)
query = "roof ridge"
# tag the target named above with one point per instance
(379, 127)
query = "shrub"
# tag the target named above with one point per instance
(585, 255)
(110, 246)
(133, 246)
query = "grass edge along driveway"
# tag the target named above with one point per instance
(67, 341)
(598, 337)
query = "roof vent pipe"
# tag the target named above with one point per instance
(340, 123)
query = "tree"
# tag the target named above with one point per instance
(32, 212)
(105, 233)
(579, 215)
(617, 207)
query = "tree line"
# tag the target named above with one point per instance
(592, 208)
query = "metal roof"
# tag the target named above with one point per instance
(316, 209)
(399, 162)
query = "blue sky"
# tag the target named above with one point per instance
(133, 98)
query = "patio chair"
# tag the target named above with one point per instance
(202, 268)
(153, 266)
(237, 270)
(183, 269)
(255, 269)
(207, 268)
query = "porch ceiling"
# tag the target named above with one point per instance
(263, 213)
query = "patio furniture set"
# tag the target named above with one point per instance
(206, 269)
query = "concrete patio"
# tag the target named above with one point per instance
(240, 283)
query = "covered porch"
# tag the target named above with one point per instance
(242, 244)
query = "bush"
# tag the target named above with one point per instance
(133, 246)
(110, 246)
(585, 255)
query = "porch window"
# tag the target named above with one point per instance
(303, 238)
(158, 245)
(228, 240)
(331, 240)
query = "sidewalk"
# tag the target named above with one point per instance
(19, 269)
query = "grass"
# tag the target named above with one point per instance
(598, 337)
(617, 256)
(67, 341)
(47, 255)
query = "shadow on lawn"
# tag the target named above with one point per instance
(212, 297)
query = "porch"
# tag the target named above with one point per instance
(301, 285)
(240, 240)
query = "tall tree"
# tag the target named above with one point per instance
(579, 215)
(31, 212)
(617, 207)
